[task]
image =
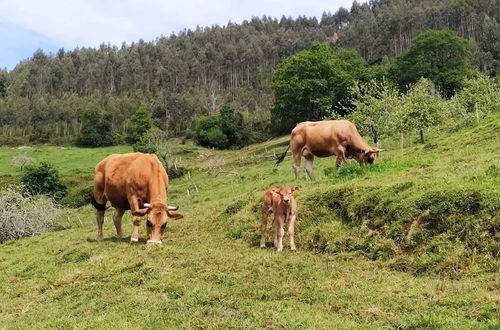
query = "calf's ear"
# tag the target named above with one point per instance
(275, 190)
(295, 190)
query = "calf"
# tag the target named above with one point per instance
(279, 201)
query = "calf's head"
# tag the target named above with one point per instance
(285, 193)
(156, 222)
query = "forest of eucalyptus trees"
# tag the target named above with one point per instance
(194, 72)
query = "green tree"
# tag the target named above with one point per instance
(423, 108)
(441, 56)
(43, 179)
(141, 123)
(96, 128)
(312, 84)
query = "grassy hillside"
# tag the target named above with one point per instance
(411, 242)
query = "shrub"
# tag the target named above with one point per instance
(23, 216)
(209, 133)
(43, 179)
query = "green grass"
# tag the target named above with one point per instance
(354, 268)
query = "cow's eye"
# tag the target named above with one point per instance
(149, 224)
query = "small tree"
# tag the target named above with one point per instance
(141, 123)
(377, 107)
(422, 107)
(478, 98)
(22, 160)
(43, 179)
(96, 128)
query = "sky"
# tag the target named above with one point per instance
(28, 25)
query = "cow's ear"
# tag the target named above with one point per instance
(141, 212)
(174, 214)
(275, 190)
(295, 190)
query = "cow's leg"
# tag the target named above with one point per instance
(291, 232)
(296, 163)
(263, 227)
(100, 221)
(136, 220)
(309, 164)
(117, 219)
(101, 200)
(341, 159)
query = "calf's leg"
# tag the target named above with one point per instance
(279, 232)
(291, 232)
(263, 227)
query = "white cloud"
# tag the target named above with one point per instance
(91, 22)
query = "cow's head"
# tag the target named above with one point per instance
(370, 156)
(157, 220)
(285, 193)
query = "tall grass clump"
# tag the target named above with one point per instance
(24, 216)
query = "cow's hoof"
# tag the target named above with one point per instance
(151, 241)
(293, 249)
(134, 239)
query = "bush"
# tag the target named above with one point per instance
(23, 216)
(209, 133)
(43, 179)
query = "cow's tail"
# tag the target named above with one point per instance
(280, 158)
(98, 206)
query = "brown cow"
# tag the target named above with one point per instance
(279, 201)
(136, 182)
(326, 138)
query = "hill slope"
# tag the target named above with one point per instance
(210, 273)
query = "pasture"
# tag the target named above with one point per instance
(357, 264)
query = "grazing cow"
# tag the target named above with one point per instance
(279, 201)
(136, 182)
(326, 138)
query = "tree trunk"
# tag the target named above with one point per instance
(422, 136)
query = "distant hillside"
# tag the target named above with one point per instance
(193, 72)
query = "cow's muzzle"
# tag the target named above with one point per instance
(153, 241)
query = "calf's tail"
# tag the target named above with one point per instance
(280, 158)
(98, 206)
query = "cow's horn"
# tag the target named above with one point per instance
(172, 208)
(147, 205)
(378, 150)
